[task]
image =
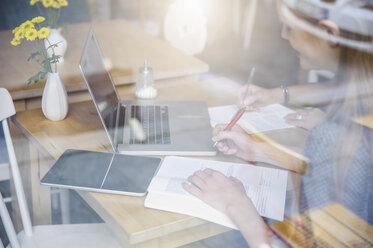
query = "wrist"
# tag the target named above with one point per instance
(276, 95)
(249, 222)
(235, 208)
(286, 95)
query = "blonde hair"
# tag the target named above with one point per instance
(355, 74)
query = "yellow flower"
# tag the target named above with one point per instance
(27, 25)
(20, 34)
(32, 2)
(43, 33)
(15, 42)
(16, 30)
(47, 3)
(31, 34)
(38, 19)
(56, 5)
(63, 3)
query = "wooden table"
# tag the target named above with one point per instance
(125, 45)
(40, 142)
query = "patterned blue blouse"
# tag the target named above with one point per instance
(318, 184)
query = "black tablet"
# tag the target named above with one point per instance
(102, 172)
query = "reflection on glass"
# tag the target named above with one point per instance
(292, 42)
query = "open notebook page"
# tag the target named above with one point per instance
(266, 187)
(268, 118)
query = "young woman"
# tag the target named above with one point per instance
(340, 150)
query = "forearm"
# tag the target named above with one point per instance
(249, 222)
(314, 94)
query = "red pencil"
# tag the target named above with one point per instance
(241, 111)
(233, 121)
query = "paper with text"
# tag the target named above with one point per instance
(268, 118)
(266, 187)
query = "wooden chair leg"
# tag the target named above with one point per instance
(7, 222)
(25, 215)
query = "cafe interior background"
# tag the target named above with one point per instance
(239, 34)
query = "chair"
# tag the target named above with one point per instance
(51, 236)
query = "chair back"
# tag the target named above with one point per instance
(7, 110)
(6, 105)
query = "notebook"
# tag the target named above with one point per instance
(266, 187)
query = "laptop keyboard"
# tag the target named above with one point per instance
(155, 124)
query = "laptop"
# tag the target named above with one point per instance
(168, 127)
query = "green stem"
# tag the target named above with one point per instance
(55, 63)
(43, 50)
(38, 49)
(24, 49)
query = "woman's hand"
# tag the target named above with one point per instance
(216, 189)
(228, 196)
(307, 118)
(234, 142)
(253, 97)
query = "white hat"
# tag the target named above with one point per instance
(350, 15)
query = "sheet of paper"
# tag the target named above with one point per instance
(266, 187)
(268, 118)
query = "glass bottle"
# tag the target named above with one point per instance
(145, 87)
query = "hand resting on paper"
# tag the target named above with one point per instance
(307, 118)
(234, 142)
(228, 196)
(216, 189)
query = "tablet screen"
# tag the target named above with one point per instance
(102, 172)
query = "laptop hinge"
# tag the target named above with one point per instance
(117, 126)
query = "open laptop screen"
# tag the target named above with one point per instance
(99, 83)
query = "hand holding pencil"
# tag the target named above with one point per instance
(242, 110)
(233, 142)
(253, 97)
(233, 122)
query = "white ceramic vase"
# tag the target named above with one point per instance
(54, 102)
(55, 37)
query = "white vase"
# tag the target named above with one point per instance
(54, 103)
(55, 37)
